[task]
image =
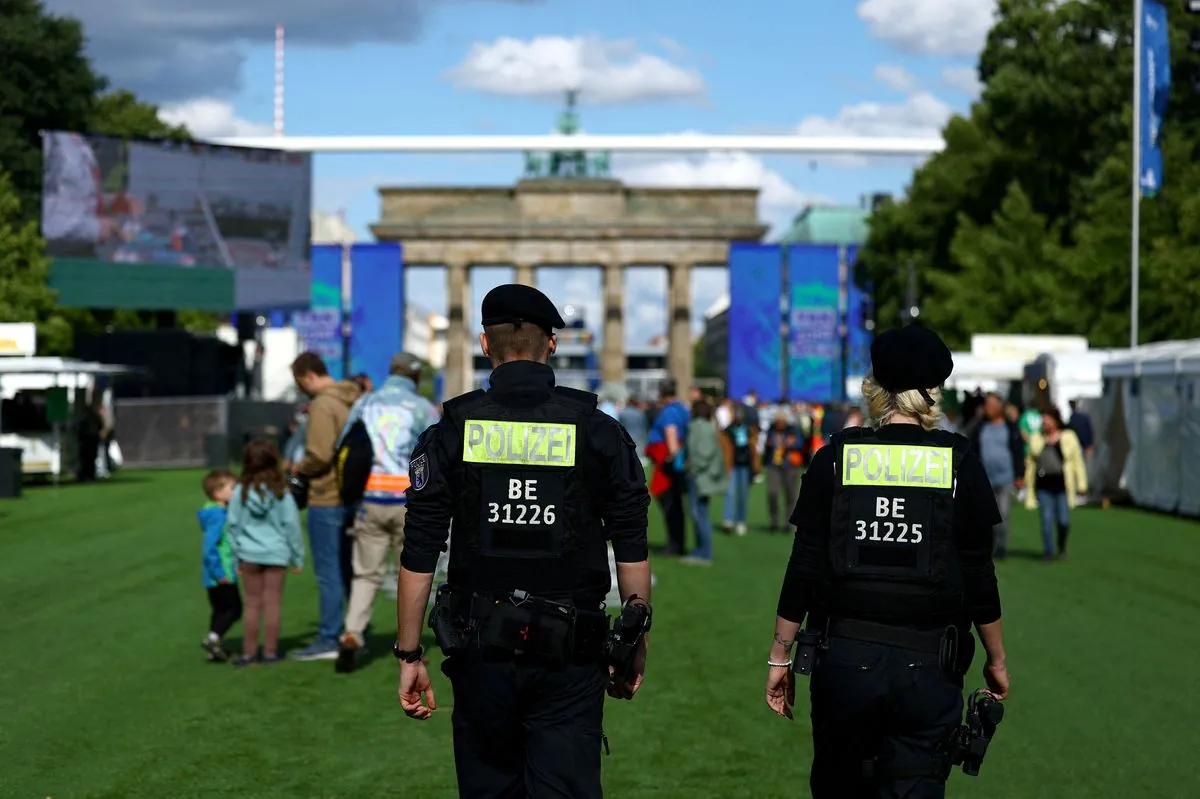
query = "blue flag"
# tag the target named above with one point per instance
(1155, 90)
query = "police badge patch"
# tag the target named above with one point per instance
(420, 472)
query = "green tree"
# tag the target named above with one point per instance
(24, 294)
(1046, 147)
(46, 83)
(120, 113)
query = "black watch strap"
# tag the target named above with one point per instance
(407, 656)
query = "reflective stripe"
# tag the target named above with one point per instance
(395, 483)
(518, 443)
(897, 466)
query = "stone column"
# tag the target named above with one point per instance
(458, 341)
(613, 359)
(679, 326)
(524, 274)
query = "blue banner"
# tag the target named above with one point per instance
(755, 281)
(376, 308)
(1155, 92)
(814, 348)
(326, 296)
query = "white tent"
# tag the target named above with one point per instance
(1150, 426)
(975, 372)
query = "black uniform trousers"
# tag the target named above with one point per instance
(522, 730)
(870, 702)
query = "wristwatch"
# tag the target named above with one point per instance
(408, 656)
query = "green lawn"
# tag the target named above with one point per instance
(103, 691)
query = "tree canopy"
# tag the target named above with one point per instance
(47, 83)
(1021, 224)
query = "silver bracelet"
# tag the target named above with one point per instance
(786, 664)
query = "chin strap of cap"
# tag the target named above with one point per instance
(925, 396)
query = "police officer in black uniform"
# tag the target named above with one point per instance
(534, 479)
(891, 565)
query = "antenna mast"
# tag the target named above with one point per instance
(279, 79)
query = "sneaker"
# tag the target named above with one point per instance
(216, 654)
(316, 651)
(347, 654)
(268, 660)
(244, 661)
(727, 526)
(740, 529)
(696, 560)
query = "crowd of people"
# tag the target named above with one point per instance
(252, 527)
(709, 449)
(700, 451)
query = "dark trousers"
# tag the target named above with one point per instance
(522, 731)
(673, 502)
(226, 603)
(872, 702)
(89, 450)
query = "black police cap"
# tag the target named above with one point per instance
(912, 357)
(515, 303)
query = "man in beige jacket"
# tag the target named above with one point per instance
(327, 413)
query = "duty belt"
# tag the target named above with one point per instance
(515, 623)
(929, 642)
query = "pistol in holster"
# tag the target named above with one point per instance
(626, 637)
(450, 620)
(807, 644)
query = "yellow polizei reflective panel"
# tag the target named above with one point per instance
(518, 443)
(897, 465)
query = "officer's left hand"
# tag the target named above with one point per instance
(415, 686)
(781, 690)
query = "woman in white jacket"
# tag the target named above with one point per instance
(1056, 476)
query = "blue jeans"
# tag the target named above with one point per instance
(738, 495)
(325, 534)
(1056, 515)
(702, 521)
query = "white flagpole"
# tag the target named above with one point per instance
(1135, 226)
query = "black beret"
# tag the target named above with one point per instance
(516, 302)
(912, 357)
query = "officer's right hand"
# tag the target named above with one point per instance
(415, 686)
(995, 673)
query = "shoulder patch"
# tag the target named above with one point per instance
(419, 471)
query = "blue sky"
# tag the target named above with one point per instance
(877, 67)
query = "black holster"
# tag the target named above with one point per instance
(516, 625)
(807, 644)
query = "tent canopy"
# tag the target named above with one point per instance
(64, 366)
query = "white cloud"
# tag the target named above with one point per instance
(941, 27)
(604, 72)
(209, 118)
(895, 77)
(963, 79)
(920, 115)
(779, 199)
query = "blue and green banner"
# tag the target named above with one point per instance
(320, 328)
(814, 348)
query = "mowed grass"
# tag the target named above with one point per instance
(103, 691)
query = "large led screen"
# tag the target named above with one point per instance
(182, 205)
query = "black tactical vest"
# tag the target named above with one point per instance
(891, 542)
(525, 519)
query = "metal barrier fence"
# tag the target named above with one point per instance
(193, 432)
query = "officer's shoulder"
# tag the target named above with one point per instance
(584, 400)
(462, 402)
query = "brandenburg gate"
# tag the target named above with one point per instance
(566, 212)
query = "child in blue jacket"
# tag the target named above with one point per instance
(220, 573)
(264, 530)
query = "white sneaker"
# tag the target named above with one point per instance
(740, 529)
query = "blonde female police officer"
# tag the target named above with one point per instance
(534, 479)
(891, 565)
